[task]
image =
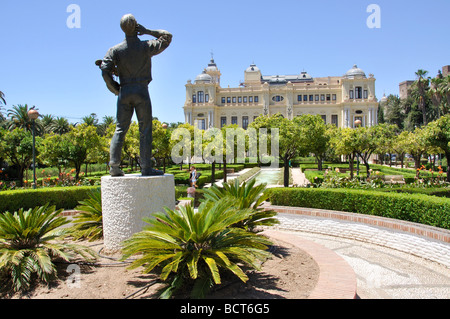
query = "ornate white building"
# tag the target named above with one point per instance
(340, 100)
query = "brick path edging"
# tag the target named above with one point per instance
(337, 280)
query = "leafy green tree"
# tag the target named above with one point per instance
(416, 145)
(17, 147)
(30, 242)
(289, 141)
(161, 142)
(344, 144)
(51, 151)
(314, 136)
(78, 144)
(192, 247)
(437, 134)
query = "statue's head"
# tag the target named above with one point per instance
(128, 24)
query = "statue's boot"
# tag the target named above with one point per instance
(151, 172)
(115, 171)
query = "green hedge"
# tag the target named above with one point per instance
(418, 208)
(61, 197)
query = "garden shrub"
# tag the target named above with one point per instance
(418, 208)
(60, 197)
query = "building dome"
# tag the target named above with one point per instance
(384, 99)
(252, 68)
(212, 66)
(355, 72)
(204, 77)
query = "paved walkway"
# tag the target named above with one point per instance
(389, 263)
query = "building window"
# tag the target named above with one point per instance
(305, 98)
(234, 120)
(234, 99)
(317, 97)
(201, 124)
(277, 98)
(324, 118)
(194, 98)
(328, 97)
(240, 99)
(256, 99)
(311, 98)
(366, 94)
(201, 96)
(299, 98)
(358, 92)
(206, 98)
(228, 99)
(245, 122)
(322, 97)
(223, 121)
(223, 100)
(250, 99)
(334, 97)
(334, 120)
(351, 94)
(245, 99)
(358, 118)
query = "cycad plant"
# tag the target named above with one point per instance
(246, 195)
(88, 223)
(30, 242)
(190, 247)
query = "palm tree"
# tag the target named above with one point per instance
(107, 121)
(60, 125)
(18, 118)
(422, 84)
(2, 97)
(90, 120)
(47, 123)
(30, 242)
(190, 247)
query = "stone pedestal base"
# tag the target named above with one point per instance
(127, 199)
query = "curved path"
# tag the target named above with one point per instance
(390, 261)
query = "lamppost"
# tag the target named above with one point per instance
(357, 124)
(33, 114)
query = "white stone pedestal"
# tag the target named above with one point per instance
(127, 199)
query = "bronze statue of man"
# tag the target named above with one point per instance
(131, 62)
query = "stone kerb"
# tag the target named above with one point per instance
(127, 200)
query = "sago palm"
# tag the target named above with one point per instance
(88, 223)
(245, 196)
(190, 247)
(30, 242)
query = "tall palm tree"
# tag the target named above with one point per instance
(107, 121)
(90, 120)
(60, 125)
(422, 84)
(2, 98)
(18, 118)
(47, 123)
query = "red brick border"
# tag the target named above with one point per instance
(337, 280)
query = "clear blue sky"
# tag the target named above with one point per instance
(46, 64)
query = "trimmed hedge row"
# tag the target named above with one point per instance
(418, 208)
(61, 197)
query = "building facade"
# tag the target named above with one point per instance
(340, 100)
